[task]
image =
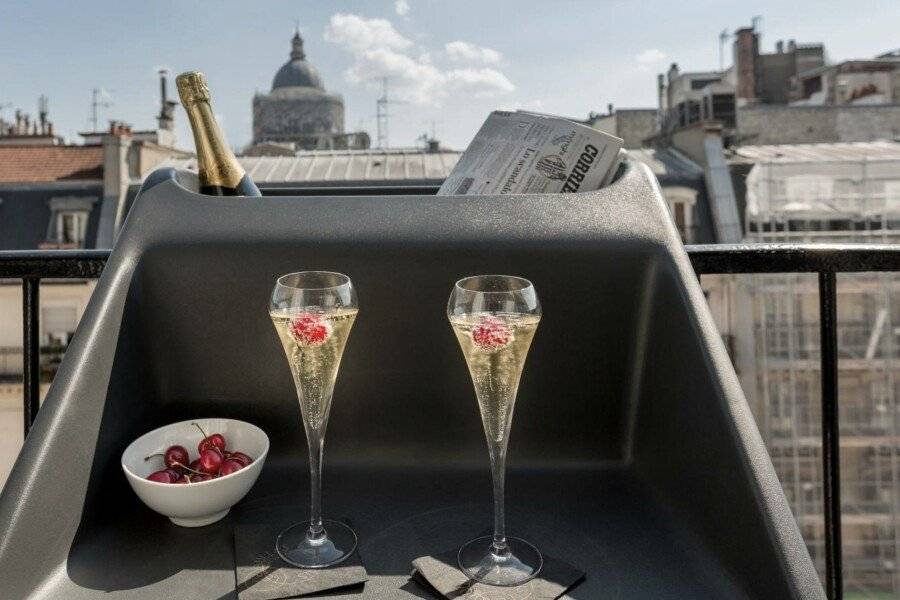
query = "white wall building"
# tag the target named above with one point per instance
(820, 193)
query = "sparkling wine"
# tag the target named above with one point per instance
(219, 171)
(495, 346)
(314, 343)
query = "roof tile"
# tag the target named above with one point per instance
(30, 164)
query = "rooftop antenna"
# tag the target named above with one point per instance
(42, 112)
(432, 128)
(723, 38)
(382, 116)
(755, 23)
(97, 101)
(3, 105)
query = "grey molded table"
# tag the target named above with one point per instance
(633, 452)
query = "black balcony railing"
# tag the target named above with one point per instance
(825, 259)
(31, 266)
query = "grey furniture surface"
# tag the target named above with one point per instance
(633, 453)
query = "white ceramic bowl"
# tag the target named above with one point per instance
(194, 504)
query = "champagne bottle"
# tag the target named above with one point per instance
(220, 172)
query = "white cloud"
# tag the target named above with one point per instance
(463, 51)
(649, 57)
(482, 83)
(379, 50)
(358, 34)
(401, 7)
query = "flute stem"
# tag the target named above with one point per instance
(498, 474)
(316, 453)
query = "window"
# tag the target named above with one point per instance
(681, 202)
(678, 213)
(699, 84)
(68, 222)
(71, 226)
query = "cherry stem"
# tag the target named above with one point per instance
(197, 425)
(152, 455)
(185, 467)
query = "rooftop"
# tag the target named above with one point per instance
(34, 164)
(879, 63)
(884, 150)
(669, 165)
(343, 166)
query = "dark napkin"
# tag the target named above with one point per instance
(262, 575)
(441, 574)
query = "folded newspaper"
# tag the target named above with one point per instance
(529, 153)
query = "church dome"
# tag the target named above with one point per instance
(297, 72)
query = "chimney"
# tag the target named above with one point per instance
(673, 72)
(42, 113)
(662, 100)
(433, 146)
(661, 93)
(779, 46)
(746, 52)
(119, 129)
(166, 117)
(116, 144)
(792, 45)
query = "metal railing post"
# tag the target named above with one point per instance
(31, 349)
(831, 450)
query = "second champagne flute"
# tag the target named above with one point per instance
(494, 318)
(313, 312)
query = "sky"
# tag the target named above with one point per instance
(448, 63)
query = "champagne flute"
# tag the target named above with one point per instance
(494, 318)
(313, 312)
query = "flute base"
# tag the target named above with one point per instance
(478, 560)
(295, 546)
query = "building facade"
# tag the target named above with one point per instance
(820, 193)
(57, 196)
(789, 96)
(633, 125)
(794, 150)
(871, 81)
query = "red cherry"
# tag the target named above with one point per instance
(174, 473)
(195, 465)
(174, 456)
(183, 479)
(197, 478)
(239, 457)
(491, 333)
(310, 329)
(230, 466)
(160, 477)
(210, 461)
(216, 440)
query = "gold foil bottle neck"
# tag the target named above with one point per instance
(192, 87)
(216, 164)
